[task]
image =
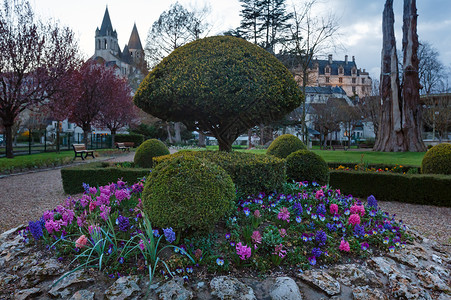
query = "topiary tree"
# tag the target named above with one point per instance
(306, 165)
(147, 151)
(220, 86)
(188, 193)
(284, 145)
(437, 160)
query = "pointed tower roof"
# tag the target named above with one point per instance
(135, 42)
(126, 57)
(106, 24)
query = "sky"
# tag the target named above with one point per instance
(359, 21)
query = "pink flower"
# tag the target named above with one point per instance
(81, 221)
(319, 194)
(92, 190)
(256, 237)
(257, 213)
(344, 246)
(105, 212)
(284, 214)
(122, 194)
(48, 215)
(92, 206)
(244, 252)
(282, 232)
(338, 191)
(354, 219)
(279, 251)
(358, 209)
(51, 226)
(81, 242)
(141, 245)
(333, 209)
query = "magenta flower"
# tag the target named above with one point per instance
(122, 194)
(92, 190)
(333, 209)
(81, 242)
(52, 226)
(243, 251)
(279, 251)
(105, 212)
(354, 219)
(319, 194)
(344, 246)
(284, 214)
(256, 237)
(282, 232)
(257, 214)
(358, 209)
(48, 215)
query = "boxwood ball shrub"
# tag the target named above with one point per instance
(437, 160)
(284, 145)
(222, 85)
(251, 173)
(188, 193)
(147, 151)
(306, 165)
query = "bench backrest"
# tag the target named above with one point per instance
(79, 147)
(120, 144)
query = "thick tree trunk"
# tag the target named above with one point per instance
(399, 128)
(249, 138)
(201, 139)
(168, 129)
(178, 129)
(113, 138)
(9, 141)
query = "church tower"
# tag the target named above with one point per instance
(135, 47)
(106, 38)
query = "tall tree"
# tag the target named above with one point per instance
(274, 20)
(34, 56)
(431, 70)
(437, 114)
(400, 126)
(250, 28)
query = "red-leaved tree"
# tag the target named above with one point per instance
(34, 58)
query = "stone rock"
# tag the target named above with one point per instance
(403, 288)
(285, 288)
(322, 280)
(432, 281)
(6, 278)
(123, 288)
(353, 275)
(437, 259)
(405, 258)
(43, 271)
(367, 293)
(83, 295)
(174, 289)
(418, 251)
(225, 287)
(381, 264)
(27, 294)
(444, 296)
(439, 271)
(60, 286)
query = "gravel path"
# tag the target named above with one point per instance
(25, 197)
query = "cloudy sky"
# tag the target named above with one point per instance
(359, 20)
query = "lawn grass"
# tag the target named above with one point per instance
(390, 158)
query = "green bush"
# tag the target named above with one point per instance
(97, 174)
(437, 160)
(412, 188)
(188, 193)
(284, 145)
(306, 165)
(147, 151)
(251, 173)
(138, 139)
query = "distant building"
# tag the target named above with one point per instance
(342, 73)
(130, 61)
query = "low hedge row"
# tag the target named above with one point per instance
(251, 173)
(416, 189)
(404, 168)
(138, 139)
(97, 174)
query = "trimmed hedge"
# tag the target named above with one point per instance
(437, 160)
(147, 151)
(97, 174)
(417, 189)
(404, 168)
(251, 173)
(284, 145)
(138, 139)
(304, 165)
(188, 193)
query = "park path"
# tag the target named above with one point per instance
(25, 197)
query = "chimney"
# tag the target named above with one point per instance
(346, 59)
(353, 58)
(330, 59)
(364, 71)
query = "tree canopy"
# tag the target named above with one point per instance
(220, 86)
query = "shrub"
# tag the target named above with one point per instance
(437, 160)
(188, 193)
(284, 145)
(147, 151)
(306, 165)
(137, 139)
(411, 188)
(251, 173)
(97, 174)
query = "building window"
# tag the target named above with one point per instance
(354, 71)
(340, 80)
(327, 80)
(340, 70)
(353, 89)
(363, 89)
(106, 44)
(363, 80)
(353, 80)
(327, 70)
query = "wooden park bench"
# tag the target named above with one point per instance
(365, 146)
(80, 150)
(335, 147)
(121, 146)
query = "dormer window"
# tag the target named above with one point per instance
(354, 71)
(340, 70)
(327, 70)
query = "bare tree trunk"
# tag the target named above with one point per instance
(168, 129)
(399, 128)
(249, 138)
(177, 129)
(9, 141)
(201, 139)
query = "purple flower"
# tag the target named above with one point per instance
(243, 251)
(321, 209)
(372, 201)
(227, 236)
(86, 187)
(312, 260)
(156, 233)
(364, 246)
(169, 234)
(316, 252)
(297, 207)
(220, 261)
(359, 230)
(35, 229)
(123, 223)
(321, 237)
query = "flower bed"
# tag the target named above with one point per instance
(304, 227)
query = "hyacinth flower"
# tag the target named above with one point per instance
(284, 214)
(243, 251)
(256, 237)
(333, 209)
(344, 246)
(354, 219)
(256, 219)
